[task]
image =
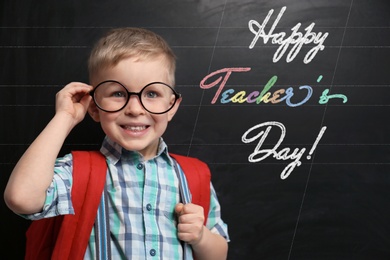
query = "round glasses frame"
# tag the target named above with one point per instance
(129, 94)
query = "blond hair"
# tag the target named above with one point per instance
(122, 43)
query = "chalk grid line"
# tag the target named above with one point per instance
(208, 71)
(322, 124)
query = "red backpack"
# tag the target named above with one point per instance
(66, 237)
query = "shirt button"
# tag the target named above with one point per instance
(149, 207)
(152, 252)
(140, 166)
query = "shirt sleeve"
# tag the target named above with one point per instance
(214, 220)
(58, 195)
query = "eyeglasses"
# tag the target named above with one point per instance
(156, 97)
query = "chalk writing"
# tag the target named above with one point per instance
(296, 39)
(265, 95)
(218, 80)
(316, 142)
(324, 98)
(260, 154)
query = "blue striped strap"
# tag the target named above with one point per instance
(102, 230)
(185, 197)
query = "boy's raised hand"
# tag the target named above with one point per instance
(26, 189)
(190, 226)
(74, 100)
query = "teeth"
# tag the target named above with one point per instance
(135, 128)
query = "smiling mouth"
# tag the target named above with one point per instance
(134, 128)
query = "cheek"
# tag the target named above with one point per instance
(106, 119)
(161, 121)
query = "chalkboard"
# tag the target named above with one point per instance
(287, 102)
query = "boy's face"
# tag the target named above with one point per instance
(133, 127)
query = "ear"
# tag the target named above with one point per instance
(173, 111)
(93, 111)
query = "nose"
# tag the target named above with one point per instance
(134, 106)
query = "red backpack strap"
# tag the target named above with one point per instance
(41, 237)
(64, 237)
(198, 178)
(89, 176)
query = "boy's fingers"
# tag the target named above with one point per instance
(179, 209)
(188, 208)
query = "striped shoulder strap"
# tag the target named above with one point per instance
(198, 177)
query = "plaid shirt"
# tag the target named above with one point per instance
(142, 197)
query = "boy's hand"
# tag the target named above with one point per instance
(74, 100)
(190, 226)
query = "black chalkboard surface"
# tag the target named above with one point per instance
(286, 100)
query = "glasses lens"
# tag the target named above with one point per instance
(158, 98)
(110, 96)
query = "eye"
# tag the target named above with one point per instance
(151, 94)
(118, 94)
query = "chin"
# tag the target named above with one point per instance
(142, 149)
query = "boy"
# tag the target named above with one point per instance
(131, 70)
